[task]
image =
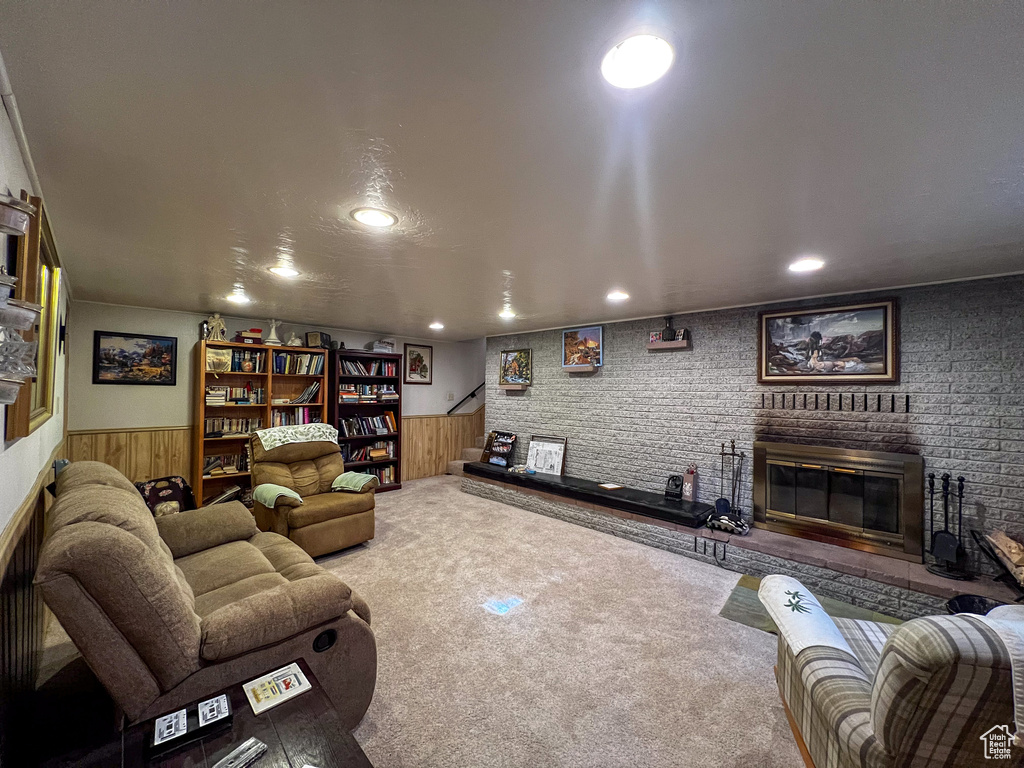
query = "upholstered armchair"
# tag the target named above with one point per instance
(930, 692)
(322, 521)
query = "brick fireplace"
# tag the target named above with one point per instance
(865, 500)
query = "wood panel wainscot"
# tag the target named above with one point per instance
(22, 616)
(430, 442)
(139, 454)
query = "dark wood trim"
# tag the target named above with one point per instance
(827, 379)
(801, 745)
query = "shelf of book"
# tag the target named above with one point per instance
(365, 404)
(261, 373)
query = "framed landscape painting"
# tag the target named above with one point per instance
(516, 367)
(419, 364)
(844, 344)
(131, 358)
(582, 347)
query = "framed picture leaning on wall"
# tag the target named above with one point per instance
(419, 364)
(129, 358)
(836, 344)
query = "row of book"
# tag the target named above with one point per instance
(366, 393)
(371, 368)
(382, 449)
(225, 464)
(230, 427)
(247, 395)
(300, 364)
(295, 416)
(309, 395)
(368, 425)
(246, 360)
(386, 475)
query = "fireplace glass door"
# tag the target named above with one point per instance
(858, 501)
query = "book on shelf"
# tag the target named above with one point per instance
(356, 426)
(366, 393)
(296, 416)
(225, 464)
(309, 395)
(248, 395)
(369, 367)
(230, 427)
(386, 475)
(382, 449)
(304, 364)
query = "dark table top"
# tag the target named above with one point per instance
(656, 505)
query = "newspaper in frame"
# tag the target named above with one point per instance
(276, 687)
(546, 455)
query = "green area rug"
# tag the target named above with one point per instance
(743, 607)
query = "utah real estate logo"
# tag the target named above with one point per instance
(997, 742)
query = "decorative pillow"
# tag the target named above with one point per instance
(354, 482)
(267, 494)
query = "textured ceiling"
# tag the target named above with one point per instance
(182, 145)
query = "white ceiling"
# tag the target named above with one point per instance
(180, 144)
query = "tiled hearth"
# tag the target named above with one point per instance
(895, 587)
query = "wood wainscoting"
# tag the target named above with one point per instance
(138, 454)
(430, 442)
(22, 616)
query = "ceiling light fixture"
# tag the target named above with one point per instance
(374, 217)
(806, 264)
(617, 296)
(507, 313)
(238, 296)
(637, 61)
(284, 270)
(437, 326)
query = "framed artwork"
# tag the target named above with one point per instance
(516, 367)
(546, 455)
(582, 347)
(419, 364)
(129, 358)
(840, 344)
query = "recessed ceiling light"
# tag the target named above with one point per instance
(283, 270)
(436, 326)
(507, 313)
(237, 296)
(806, 264)
(374, 217)
(637, 61)
(617, 296)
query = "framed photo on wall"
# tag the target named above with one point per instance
(838, 344)
(131, 358)
(583, 347)
(516, 367)
(419, 364)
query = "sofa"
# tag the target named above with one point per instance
(168, 610)
(323, 521)
(930, 692)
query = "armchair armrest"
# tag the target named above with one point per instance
(801, 620)
(277, 614)
(206, 527)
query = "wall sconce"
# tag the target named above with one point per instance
(14, 215)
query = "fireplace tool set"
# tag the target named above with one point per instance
(727, 516)
(946, 548)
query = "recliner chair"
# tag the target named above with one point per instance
(324, 521)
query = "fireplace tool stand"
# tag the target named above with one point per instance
(947, 549)
(727, 516)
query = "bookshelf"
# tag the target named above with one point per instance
(225, 419)
(365, 397)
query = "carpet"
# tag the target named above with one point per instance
(744, 607)
(507, 638)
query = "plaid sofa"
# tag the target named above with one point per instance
(921, 694)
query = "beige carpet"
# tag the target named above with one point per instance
(616, 657)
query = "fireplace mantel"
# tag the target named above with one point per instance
(867, 500)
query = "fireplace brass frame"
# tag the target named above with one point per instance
(909, 467)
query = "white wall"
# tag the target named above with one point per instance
(21, 460)
(458, 368)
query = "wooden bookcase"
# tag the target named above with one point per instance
(274, 385)
(343, 378)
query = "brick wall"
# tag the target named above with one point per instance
(645, 415)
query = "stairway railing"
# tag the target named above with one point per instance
(467, 397)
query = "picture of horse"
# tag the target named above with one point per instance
(121, 358)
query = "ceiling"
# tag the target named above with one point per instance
(183, 146)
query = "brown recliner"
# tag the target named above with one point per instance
(169, 610)
(324, 521)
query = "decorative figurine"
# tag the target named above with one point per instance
(272, 339)
(294, 341)
(216, 330)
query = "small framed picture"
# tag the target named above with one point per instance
(655, 337)
(131, 358)
(583, 347)
(419, 364)
(516, 367)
